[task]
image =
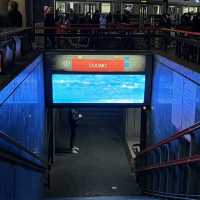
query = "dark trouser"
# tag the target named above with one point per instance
(72, 136)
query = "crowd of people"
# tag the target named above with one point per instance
(191, 20)
(71, 18)
(60, 22)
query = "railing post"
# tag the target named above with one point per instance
(143, 129)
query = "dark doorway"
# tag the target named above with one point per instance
(102, 167)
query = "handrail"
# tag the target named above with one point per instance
(11, 140)
(14, 31)
(181, 31)
(171, 138)
(97, 28)
(147, 169)
(14, 158)
(97, 25)
(171, 195)
(185, 160)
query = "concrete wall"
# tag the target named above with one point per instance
(175, 99)
(133, 123)
(22, 112)
(133, 129)
(3, 7)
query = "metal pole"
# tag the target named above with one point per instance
(165, 6)
(143, 133)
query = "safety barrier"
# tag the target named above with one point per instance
(96, 37)
(186, 44)
(169, 169)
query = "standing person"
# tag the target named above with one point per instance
(14, 16)
(196, 23)
(169, 21)
(50, 25)
(165, 21)
(96, 17)
(103, 21)
(109, 18)
(117, 17)
(72, 17)
(74, 117)
(58, 15)
(88, 19)
(125, 17)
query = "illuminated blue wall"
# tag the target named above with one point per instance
(22, 112)
(175, 99)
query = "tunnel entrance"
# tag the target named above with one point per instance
(103, 167)
(109, 89)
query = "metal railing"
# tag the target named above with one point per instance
(186, 44)
(96, 37)
(7, 34)
(169, 169)
(180, 43)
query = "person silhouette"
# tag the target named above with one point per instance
(74, 117)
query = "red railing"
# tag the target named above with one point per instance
(95, 27)
(148, 172)
(171, 138)
(185, 32)
(186, 160)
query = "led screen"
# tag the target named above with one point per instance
(98, 88)
(98, 63)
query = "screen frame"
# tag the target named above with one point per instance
(93, 54)
(147, 73)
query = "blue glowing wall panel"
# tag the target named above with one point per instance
(115, 89)
(175, 99)
(22, 111)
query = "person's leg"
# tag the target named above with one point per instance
(73, 148)
(72, 134)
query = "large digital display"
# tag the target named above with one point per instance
(98, 88)
(97, 63)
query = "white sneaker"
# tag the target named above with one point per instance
(76, 148)
(74, 151)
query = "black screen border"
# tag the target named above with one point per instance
(147, 73)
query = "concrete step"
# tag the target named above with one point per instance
(106, 198)
(99, 109)
(101, 115)
(103, 111)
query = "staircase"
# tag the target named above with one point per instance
(107, 198)
(93, 116)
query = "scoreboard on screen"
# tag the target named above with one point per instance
(98, 63)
